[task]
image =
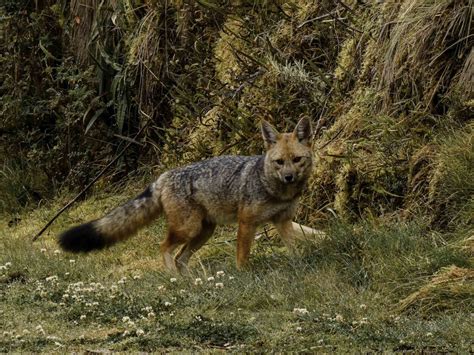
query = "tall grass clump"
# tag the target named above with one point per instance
(452, 187)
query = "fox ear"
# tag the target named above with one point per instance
(269, 133)
(303, 131)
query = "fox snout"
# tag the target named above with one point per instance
(288, 178)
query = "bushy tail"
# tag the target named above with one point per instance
(120, 224)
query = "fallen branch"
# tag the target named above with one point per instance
(303, 232)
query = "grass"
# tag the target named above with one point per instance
(341, 294)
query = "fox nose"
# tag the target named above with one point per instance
(289, 178)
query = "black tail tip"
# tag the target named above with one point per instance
(82, 238)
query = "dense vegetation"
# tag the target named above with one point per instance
(388, 86)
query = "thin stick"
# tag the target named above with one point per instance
(90, 184)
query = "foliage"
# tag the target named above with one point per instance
(202, 74)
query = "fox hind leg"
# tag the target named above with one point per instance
(183, 227)
(187, 250)
(168, 246)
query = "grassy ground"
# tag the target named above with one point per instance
(341, 294)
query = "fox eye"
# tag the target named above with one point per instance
(279, 161)
(296, 159)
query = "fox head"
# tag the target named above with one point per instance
(289, 156)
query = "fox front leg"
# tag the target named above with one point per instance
(245, 237)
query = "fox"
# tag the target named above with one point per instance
(247, 190)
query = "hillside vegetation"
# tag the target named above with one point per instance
(388, 86)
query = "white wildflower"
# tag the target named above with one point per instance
(363, 306)
(198, 281)
(83, 316)
(43, 250)
(339, 318)
(140, 332)
(137, 277)
(173, 279)
(72, 261)
(57, 252)
(301, 311)
(8, 264)
(125, 319)
(210, 278)
(167, 304)
(39, 329)
(220, 273)
(219, 285)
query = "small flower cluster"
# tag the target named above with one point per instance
(149, 312)
(6, 266)
(300, 311)
(52, 279)
(211, 279)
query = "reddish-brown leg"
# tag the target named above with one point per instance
(245, 238)
(182, 258)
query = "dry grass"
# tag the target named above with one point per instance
(449, 287)
(423, 50)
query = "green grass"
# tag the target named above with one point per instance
(340, 294)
